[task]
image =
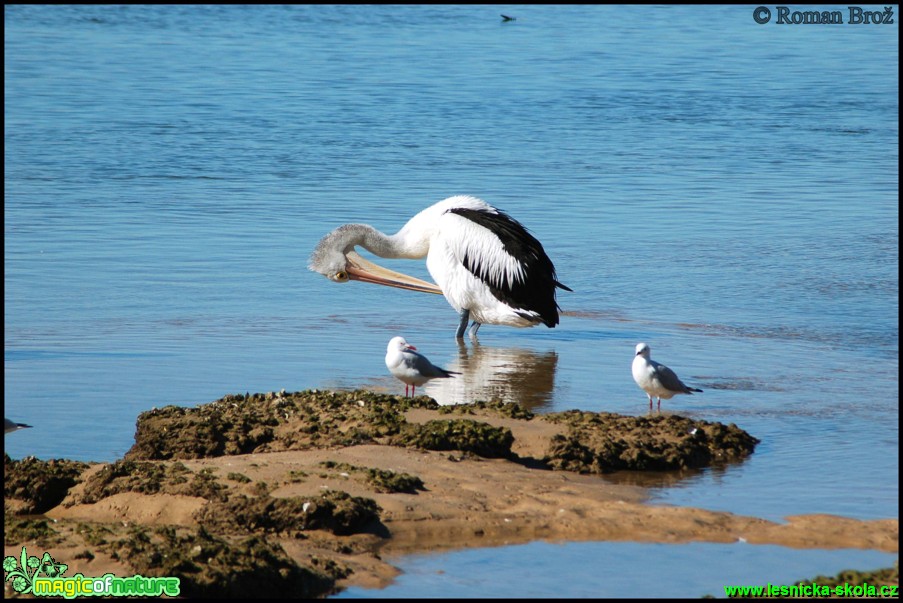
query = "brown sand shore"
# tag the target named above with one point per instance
(301, 494)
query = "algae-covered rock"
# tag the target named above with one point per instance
(334, 511)
(880, 583)
(311, 419)
(28, 529)
(217, 567)
(39, 485)
(382, 480)
(889, 576)
(242, 424)
(386, 480)
(465, 435)
(498, 408)
(173, 432)
(146, 477)
(606, 442)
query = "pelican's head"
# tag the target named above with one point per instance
(335, 258)
(643, 350)
(330, 256)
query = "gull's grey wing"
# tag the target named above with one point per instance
(422, 365)
(669, 378)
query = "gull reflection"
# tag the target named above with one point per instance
(490, 373)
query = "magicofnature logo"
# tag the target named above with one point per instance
(43, 577)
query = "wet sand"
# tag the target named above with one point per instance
(314, 492)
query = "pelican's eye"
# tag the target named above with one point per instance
(341, 276)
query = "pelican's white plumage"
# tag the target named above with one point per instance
(487, 265)
(655, 378)
(411, 367)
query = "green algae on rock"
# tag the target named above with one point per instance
(212, 566)
(466, 435)
(145, 477)
(21, 529)
(605, 442)
(592, 442)
(238, 477)
(888, 576)
(242, 424)
(334, 511)
(386, 480)
(244, 541)
(382, 480)
(512, 410)
(207, 565)
(848, 583)
(38, 485)
(173, 432)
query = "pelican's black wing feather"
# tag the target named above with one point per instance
(536, 292)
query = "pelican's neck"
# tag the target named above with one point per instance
(399, 245)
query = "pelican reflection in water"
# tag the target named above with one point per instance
(489, 373)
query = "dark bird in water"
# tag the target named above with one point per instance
(13, 426)
(507, 18)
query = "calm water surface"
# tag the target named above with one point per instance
(615, 570)
(724, 191)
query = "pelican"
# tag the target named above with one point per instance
(655, 378)
(487, 265)
(411, 367)
(13, 426)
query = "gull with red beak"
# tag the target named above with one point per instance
(655, 378)
(411, 367)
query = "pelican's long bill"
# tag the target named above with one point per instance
(366, 271)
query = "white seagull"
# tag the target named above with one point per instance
(411, 367)
(13, 426)
(488, 266)
(655, 378)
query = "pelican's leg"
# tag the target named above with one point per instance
(650, 403)
(462, 326)
(473, 330)
(659, 404)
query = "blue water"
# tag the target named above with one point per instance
(614, 570)
(725, 191)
